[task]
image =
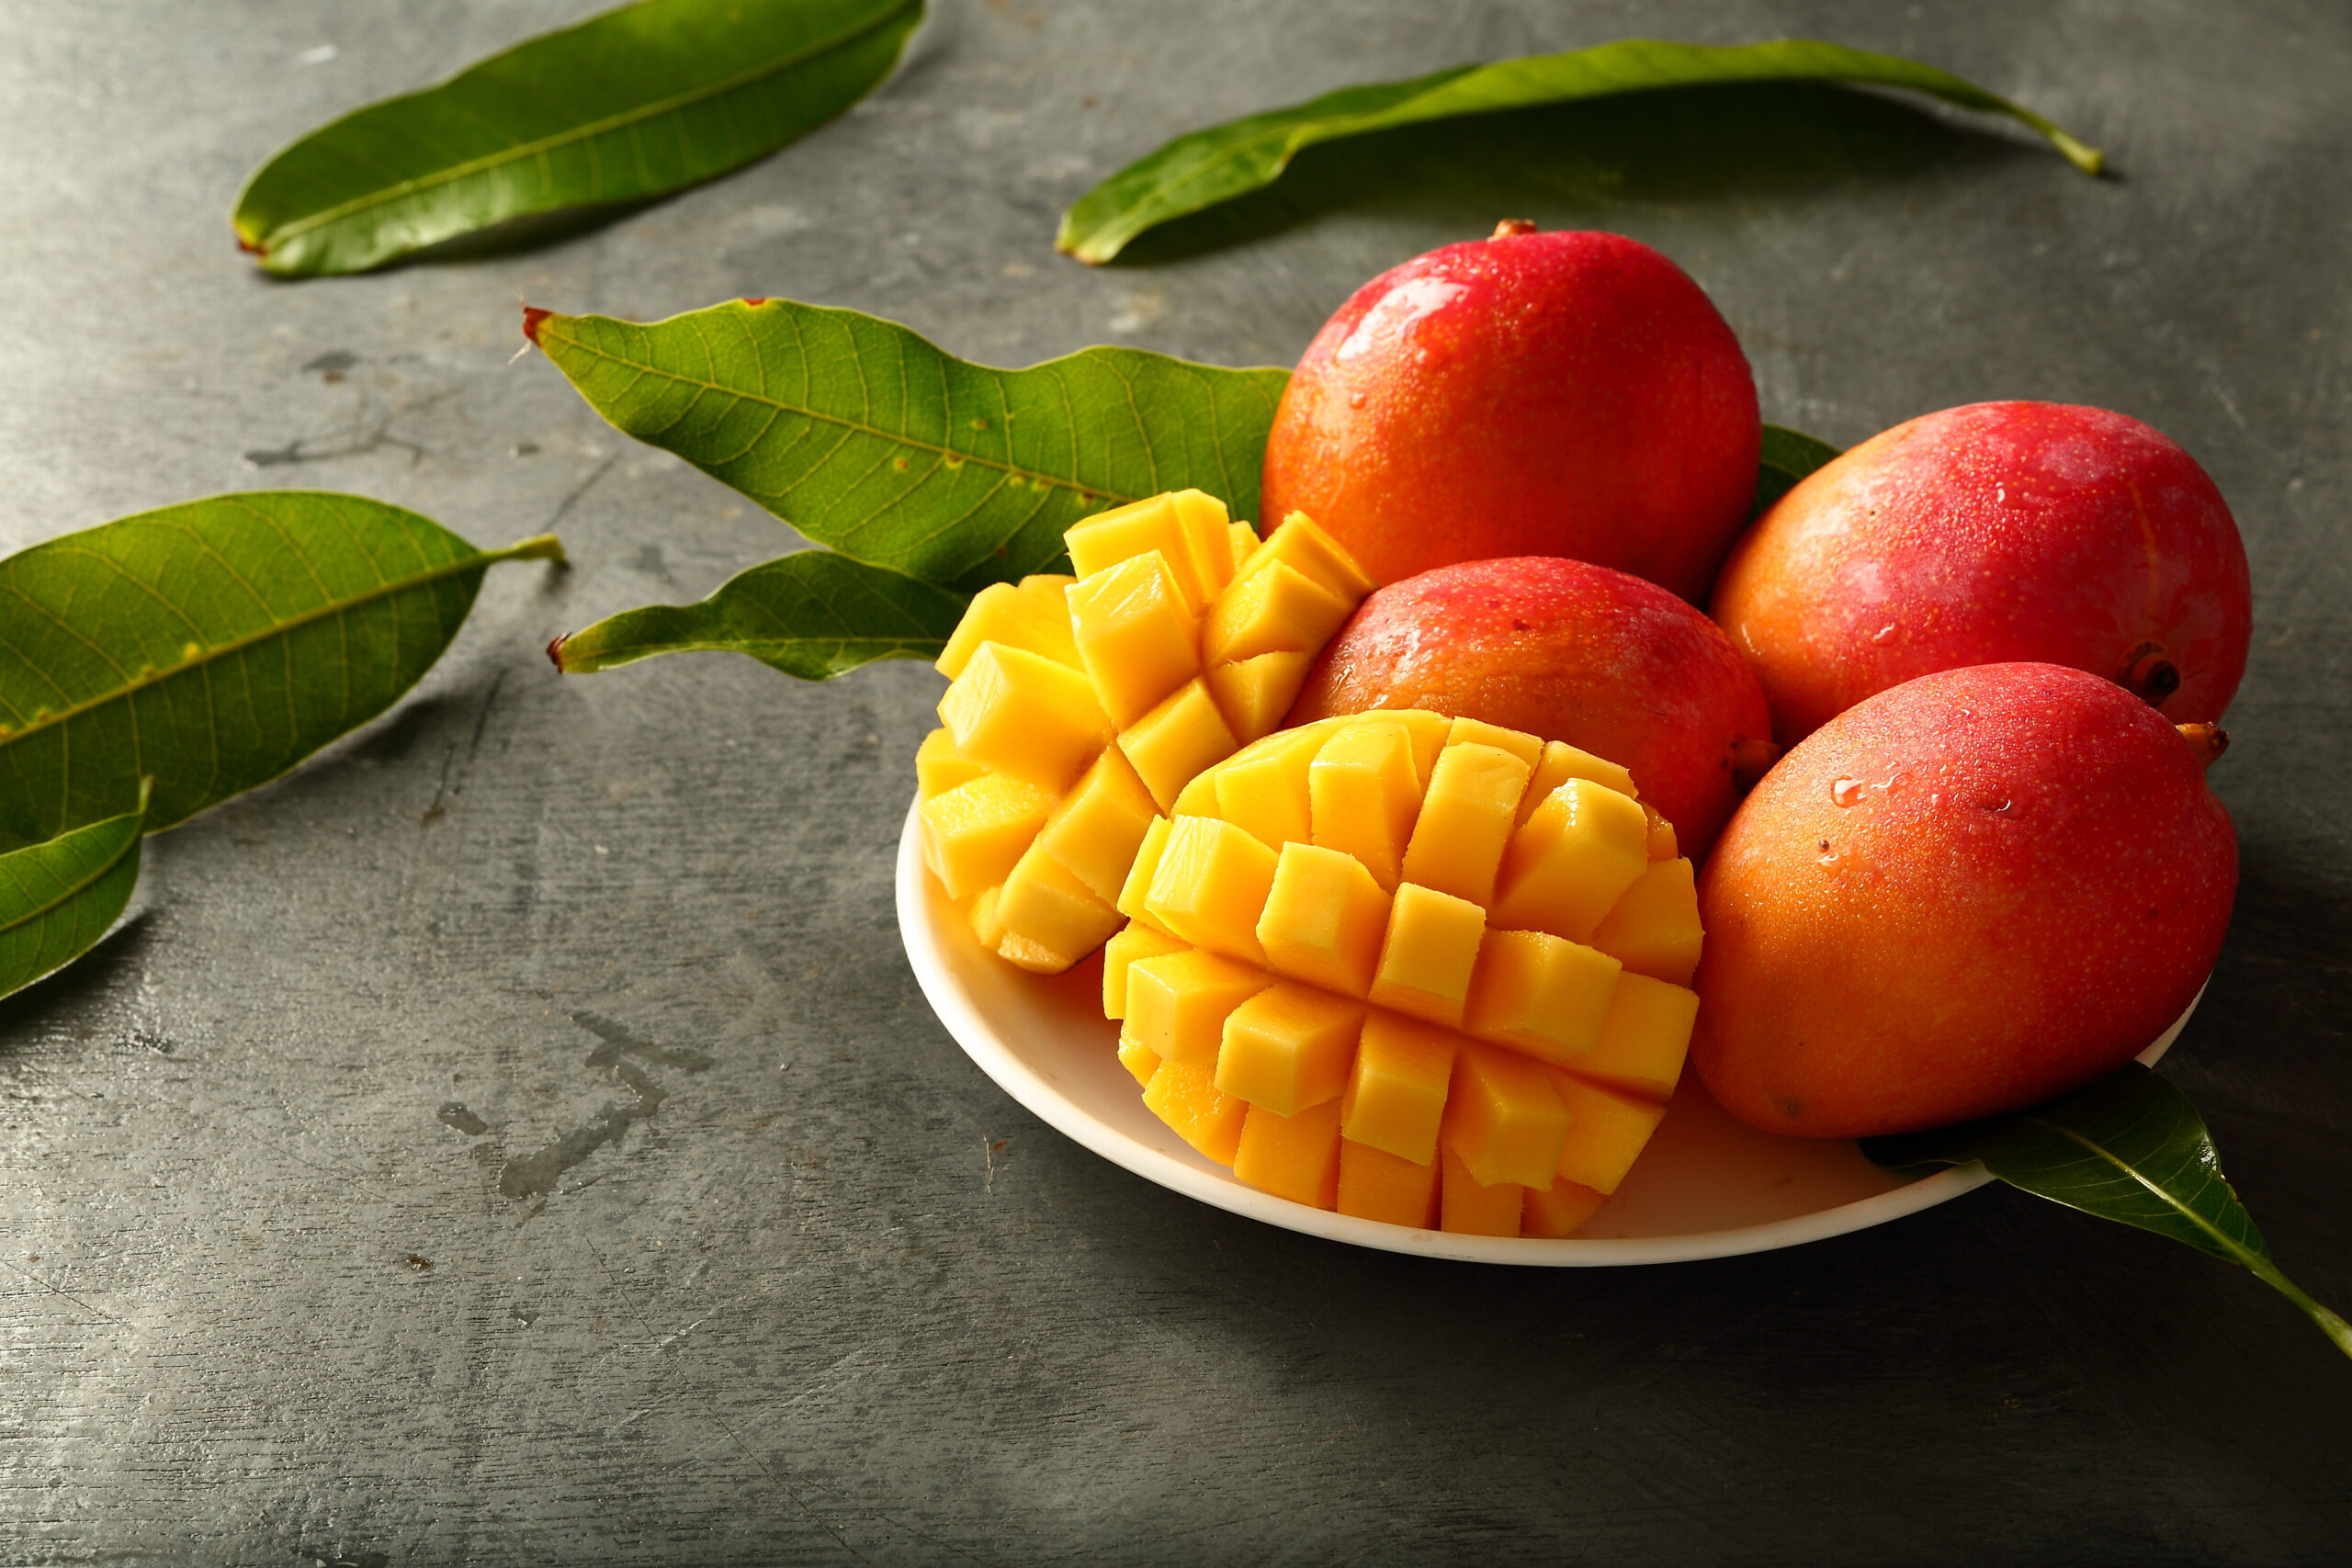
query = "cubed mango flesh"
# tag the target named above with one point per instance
(1571, 861)
(1470, 1207)
(1560, 1210)
(1655, 928)
(1136, 637)
(1026, 716)
(1186, 1097)
(1176, 1003)
(1094, 691)
(1606, 1131)
(1289, 1047)
(1377, 1185)
(1171, 745)
(1210, 887)
(1129, 943)
(1363, 793)
(1397, 1090)
(1295, 1157)
(1487, 1064)
(1504, 1118)
(1429, 954)
(1030, 616)
(1323, 919)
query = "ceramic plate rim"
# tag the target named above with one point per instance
(980, 1041)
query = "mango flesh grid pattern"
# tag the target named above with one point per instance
(1078, 707)
(1412, 968)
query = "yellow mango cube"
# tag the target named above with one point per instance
(987, 927)
(1023, 713)
(1540, 993)
(1662, 844)
(1288, 1047)
(1363, 793)
(1244, 541)
(1643, 1039)
(1295, 1157)
(1198, 564)
(939, 767)
(1467, 814)
(1504, 1118)
(1478, 732)
(1137, 1059)
(1397, 1090)
(1175, 740)
(1255, 693)
(1571, 861)
(1559, 1212)
(1210, 887)
(1428, 956)
(1095, 830)
(1275, 608)
(1654, 929)
(1263, 788)
(1324, 919)
(1376, 1185)
(1608, 1132)
(1186, 1097)
(1132, 942)
(1030, 616)
(1177, 1002)
(1467, 1206)
(974, 834)
(1302, 545)
(1136, 637)
(1562, 763)
(1135, 892)
(1056, 919)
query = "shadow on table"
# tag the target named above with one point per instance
(1562, 164)
(81, 981)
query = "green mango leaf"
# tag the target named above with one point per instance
(2129, 1148)
(57, 898)
(1789, 456)
(877, 444)
(213, 645)
(1208, 166)
(628, 105)
(811, 614)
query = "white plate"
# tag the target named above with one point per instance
(1707, 1186)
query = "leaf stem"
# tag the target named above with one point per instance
(2332, 1325)
(538, 547)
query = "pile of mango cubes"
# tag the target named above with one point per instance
(1417, 969)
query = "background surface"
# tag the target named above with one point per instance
(331, 1226)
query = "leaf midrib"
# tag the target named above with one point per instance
(858, 426)
(480, 559)
(520, 150)
(129, 845)
(2230, 1245)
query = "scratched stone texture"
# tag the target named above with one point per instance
(516, 1137)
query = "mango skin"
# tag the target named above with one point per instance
(1566, 393)
(1986, 535)
(1565, 651)
(2029, 884)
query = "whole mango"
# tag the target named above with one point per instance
(1960, 897)
(1986, 535)
(1562, 394)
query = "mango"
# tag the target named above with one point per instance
(1080, 708)
(1398, 1052)
(1963, 896)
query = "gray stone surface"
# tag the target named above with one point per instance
(288, 1271)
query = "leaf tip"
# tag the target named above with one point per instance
(532, 316)
(555, 651)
